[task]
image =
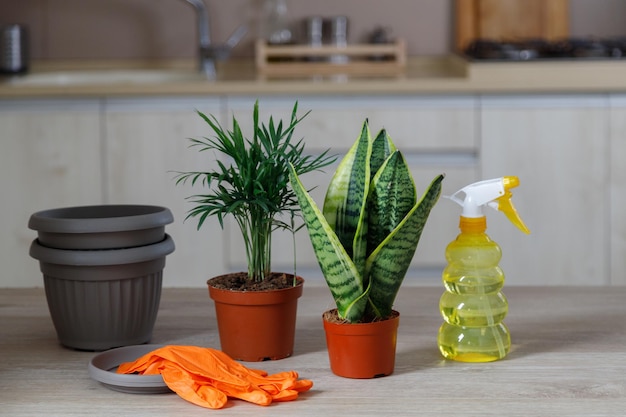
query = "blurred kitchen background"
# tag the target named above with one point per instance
(165, 29)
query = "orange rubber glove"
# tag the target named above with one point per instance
(207, 377)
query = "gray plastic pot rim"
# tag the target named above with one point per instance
(102, 257)
(100, 218)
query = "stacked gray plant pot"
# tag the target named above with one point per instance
(102, 268)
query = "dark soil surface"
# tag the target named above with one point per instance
(239, 281)
(332, 316)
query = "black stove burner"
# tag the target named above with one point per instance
(539, 49)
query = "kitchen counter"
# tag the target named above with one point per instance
(423, 75)
(568, 358)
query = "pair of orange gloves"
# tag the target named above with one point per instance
(207, 377)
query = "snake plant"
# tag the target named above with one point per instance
(367, 233)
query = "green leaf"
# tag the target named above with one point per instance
(347, 196)
(341, 274)
(392, 196)
(381, 149)
(388, 264)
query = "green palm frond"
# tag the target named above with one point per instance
(253, 186)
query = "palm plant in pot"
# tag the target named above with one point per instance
(251, 184)
(364, 239)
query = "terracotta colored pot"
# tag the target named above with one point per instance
(362, 350)
(257, 325)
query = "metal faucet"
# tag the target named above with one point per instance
(209, 52)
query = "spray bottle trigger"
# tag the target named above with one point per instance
(506, 206)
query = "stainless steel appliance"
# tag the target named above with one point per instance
(13, 49)
(541, 49)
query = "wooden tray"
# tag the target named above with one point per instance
(302, 60)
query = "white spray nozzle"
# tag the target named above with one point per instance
(494, 193)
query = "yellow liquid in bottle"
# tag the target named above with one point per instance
(473, 305)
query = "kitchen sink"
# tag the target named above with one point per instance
(103, 77)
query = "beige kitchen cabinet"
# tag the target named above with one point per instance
(566, 149)
(617, 187)
(558, 146)
(146, 142)
(49, 157)
(436, 135)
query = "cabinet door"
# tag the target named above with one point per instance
(618, 189)
(146, 143)
(49, 158)
(558, 147)
(436, 135)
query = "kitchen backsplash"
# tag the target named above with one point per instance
(166, 29)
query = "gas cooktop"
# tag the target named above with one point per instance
(539, 49)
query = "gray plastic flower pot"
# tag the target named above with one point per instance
(101, 226)
(103, 299)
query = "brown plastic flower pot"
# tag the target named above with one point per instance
(101, 226)
(103, 299)
(361, 350)
(257, 325)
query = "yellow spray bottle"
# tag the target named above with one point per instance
(473, 305)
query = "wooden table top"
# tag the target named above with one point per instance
(568, 358)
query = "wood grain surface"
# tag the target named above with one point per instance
(568, 358)
(510, 19)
